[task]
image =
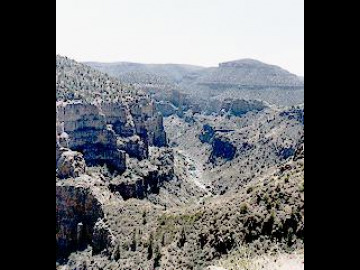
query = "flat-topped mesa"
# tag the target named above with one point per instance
(242, 63)
(249, 74)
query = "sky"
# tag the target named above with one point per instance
(197, 32)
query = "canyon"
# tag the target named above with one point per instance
(177, 167)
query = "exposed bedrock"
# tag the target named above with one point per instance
(176, 103)
(166, 108)
(148, 176)
(207, 134)
(77, 213)
(241, 107)
(105, 133)
(139, 188)
(222, 147)
(69, 164)
(220, 140)
(300, 150)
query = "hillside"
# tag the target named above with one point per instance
(110, 141)
(201, 88)
(246, 79)
(235, 151)
(146, 73)
(246, 73)
(267, 216)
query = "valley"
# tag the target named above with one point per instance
(177, 167)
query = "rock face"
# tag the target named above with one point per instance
(241, 107)
(223, 148)
(106, 129)
(97, 131)
(207, 134)
(178, 103)
(86, 131)
(147, 177)
(100, 122)
(70, 164)
(166, 108)
(77, 212)
(300, 150)
(102, 237)
(220, 140)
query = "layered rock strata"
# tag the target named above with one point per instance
(105, 133)
(100, 123)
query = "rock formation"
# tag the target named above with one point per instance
(78, 209)
(105, 130)
(99, 123)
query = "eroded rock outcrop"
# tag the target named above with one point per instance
(77, 211)
(69, 164)
(207, 134)
(240, 107)
(105, 132)
(83, 128)
(101, 119)
(100, 123)
(222, 147)
(146, 177)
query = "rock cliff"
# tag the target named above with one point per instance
(101, 124)
(77, 212)
(104, 123)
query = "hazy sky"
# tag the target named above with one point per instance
(200, 32)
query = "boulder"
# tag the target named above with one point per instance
(70, 164)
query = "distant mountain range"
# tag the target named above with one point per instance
(146, 73)
(246, 72)
(242, 79)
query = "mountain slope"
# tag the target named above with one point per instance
(247, 73)
(245, 79)
(267, 216)
(146, 73)
(102, 129)
(75, 81)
